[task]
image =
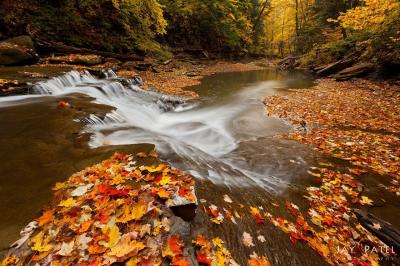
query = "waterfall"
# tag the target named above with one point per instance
(195, 137)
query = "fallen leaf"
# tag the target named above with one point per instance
(247, 240)
(47, 217)
(366, 201)
(67, 203)
(255, 260)
(66, 249)
(227, 199)
(261, 238)
(126, 246)
(377, 226)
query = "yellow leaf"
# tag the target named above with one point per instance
(59, 186)
(164, 180)
(113, 235)
(126, 246)
(366, 201)
(164, 194)
(119, 179)
(217, 242)
(132, 262)
(135, 212)
(40, 243)
(67, 203)
(8, 261)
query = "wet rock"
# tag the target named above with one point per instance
(358, 70)
(11, 87)
(18, 51)
(186, 212)
(97, 73)
(138, 81)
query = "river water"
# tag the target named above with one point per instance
(224, 140)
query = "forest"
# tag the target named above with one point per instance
(199, 132)
(320, 30)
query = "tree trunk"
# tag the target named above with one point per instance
(297, 26)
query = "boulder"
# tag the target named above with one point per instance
(358, 70)
(18, 51)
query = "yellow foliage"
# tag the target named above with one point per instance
(371, 15)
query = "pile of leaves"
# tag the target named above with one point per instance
(359, 104)
(354, 120)
(115, 211)
(329, 226)
(378, 152)
(338, 237)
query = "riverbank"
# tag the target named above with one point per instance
(356, 124)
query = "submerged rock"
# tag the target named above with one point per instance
(18, 51)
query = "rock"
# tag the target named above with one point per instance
(77, 59)
(191, 74)
(167, 62)
(288, 63)
(340, 65)
(143, 66)
(12, 87)
(97, 73)
(86, 60)
(129, 65)
(112, 61)
(355, 71)
(335, 67)
(18, 51)
(186, 212)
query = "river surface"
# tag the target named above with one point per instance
(224, 140)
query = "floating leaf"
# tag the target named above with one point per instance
(67, 203)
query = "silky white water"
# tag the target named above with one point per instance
(222, 139)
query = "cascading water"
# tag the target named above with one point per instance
(207, 140)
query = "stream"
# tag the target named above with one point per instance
(224, 139)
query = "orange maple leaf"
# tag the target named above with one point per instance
(47, 217)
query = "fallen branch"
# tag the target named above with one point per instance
(381, 229)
